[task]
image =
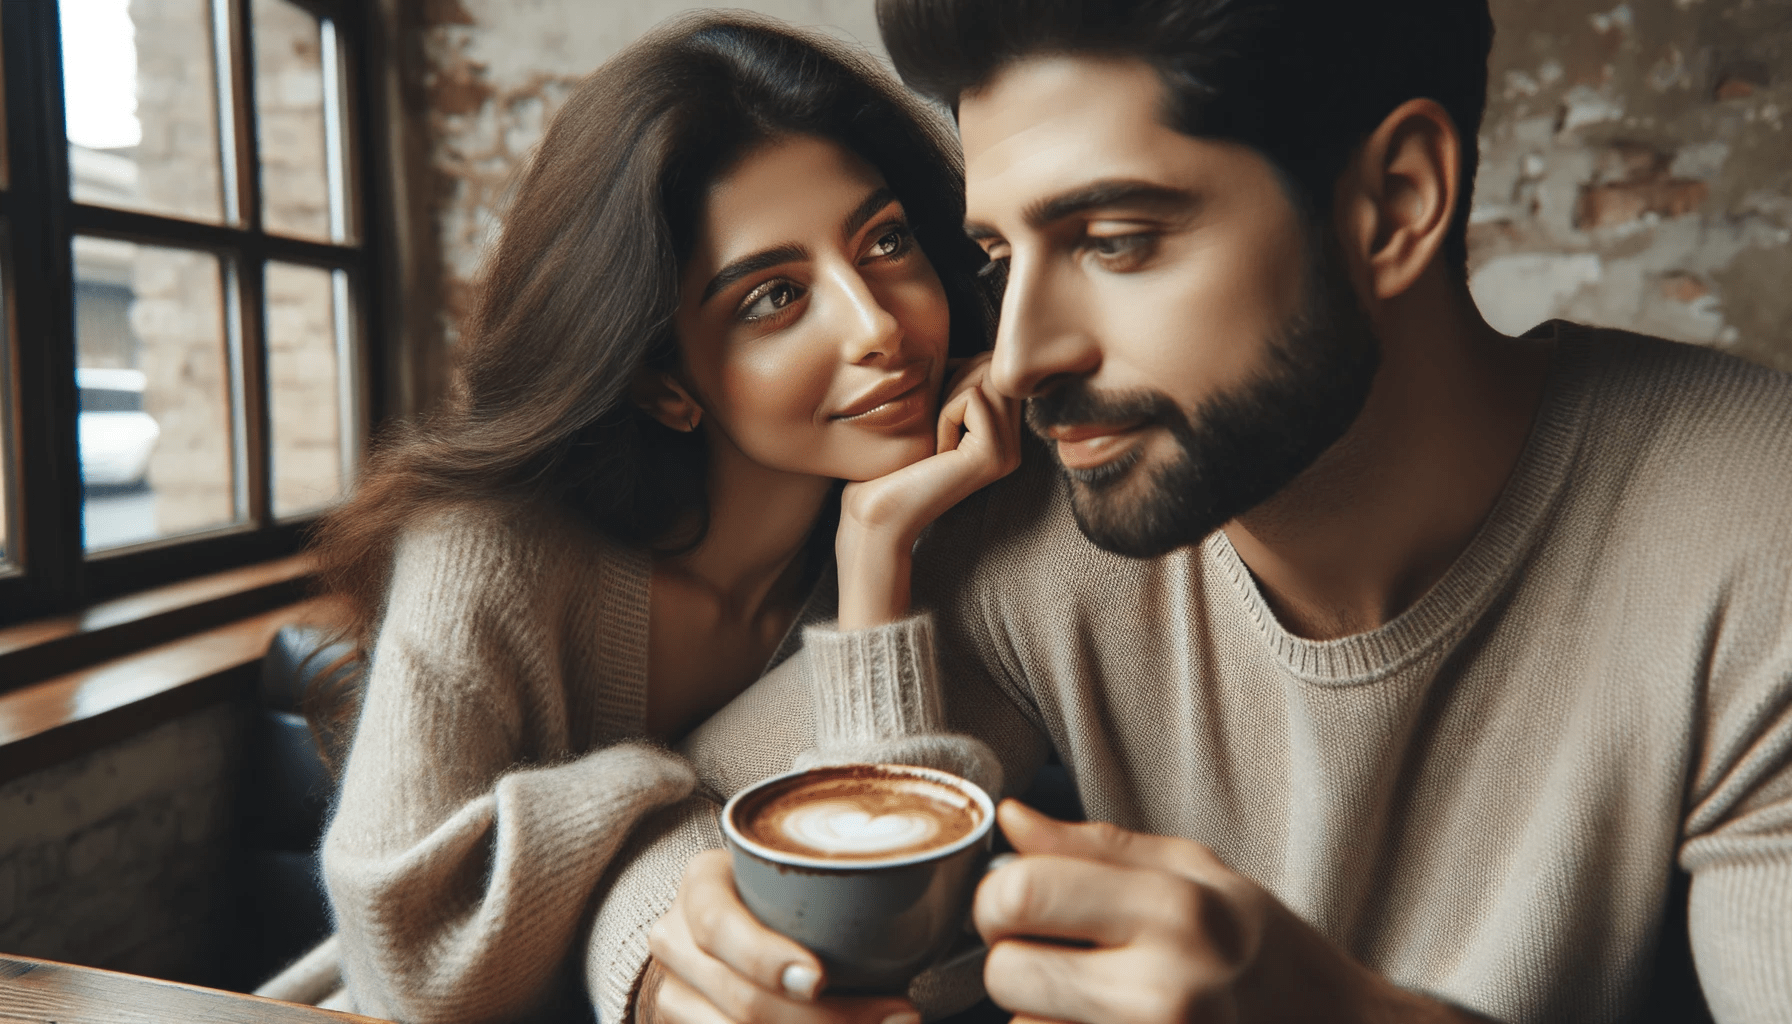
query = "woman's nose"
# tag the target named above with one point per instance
(869, 331)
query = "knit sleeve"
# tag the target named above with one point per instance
(651, 867)
(467, 843)
(1739, 832)
(877, 699)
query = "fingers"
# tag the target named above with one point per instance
(679, 1003)
(1053, 983)
(709, 918)
(719, 969)
(951, 423)
(1032, 832)
(966, 371)
(1045, 896)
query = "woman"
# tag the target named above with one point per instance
(728, 281)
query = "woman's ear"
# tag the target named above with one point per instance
(660, 395)
(1396, 198)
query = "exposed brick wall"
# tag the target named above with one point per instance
(1636, 168)
(177, 313)
(121, 858)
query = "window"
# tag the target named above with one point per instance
(187, 283)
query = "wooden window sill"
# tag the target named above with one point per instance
(45, 648)
(128, 682)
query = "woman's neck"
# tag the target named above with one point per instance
(759, 523)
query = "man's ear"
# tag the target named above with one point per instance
(660, 395)
(1396, 197)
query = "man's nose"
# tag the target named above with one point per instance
(868, 330)
(1040, 338)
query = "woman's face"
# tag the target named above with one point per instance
(813, 331)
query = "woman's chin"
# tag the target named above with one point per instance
(888, 456)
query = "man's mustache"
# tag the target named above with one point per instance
(1074, 402)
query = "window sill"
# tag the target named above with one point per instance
(143, 660)
(41, 649)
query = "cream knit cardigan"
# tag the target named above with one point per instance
(495, 769)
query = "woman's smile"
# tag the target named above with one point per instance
(894, 404)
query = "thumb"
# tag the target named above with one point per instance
(1034, 833)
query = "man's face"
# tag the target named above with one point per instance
(1188, 344)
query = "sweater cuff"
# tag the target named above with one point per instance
(874, 684)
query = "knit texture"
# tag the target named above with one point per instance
(496, 768)
(1485, 798)
(877, 716)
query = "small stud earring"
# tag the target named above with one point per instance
(690, 422)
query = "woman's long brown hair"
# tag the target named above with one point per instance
(579, 294)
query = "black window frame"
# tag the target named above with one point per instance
(50, 572)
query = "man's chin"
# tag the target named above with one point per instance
(1136, 511)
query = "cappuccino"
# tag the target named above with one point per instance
(857, 814)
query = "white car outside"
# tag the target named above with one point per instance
(116, 435)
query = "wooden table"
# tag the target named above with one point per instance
(45, 992)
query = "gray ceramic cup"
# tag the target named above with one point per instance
(875, 924)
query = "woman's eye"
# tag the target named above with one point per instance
(770, 299)
(893, 242)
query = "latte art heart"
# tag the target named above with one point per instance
(857, 814)
(841, 827)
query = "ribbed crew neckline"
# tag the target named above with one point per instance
(1455, 602)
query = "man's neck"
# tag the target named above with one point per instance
(1365, 531)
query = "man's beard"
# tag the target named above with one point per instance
(1239, 448)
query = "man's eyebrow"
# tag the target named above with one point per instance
(862, 214)
(764, 259)
(1098, 194)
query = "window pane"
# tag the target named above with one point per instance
(304, 388)
(290, 108)
(153, 371)
(140, 94)
(5, 162)
(8, 493)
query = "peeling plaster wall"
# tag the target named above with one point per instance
(1636, 162)
(1636, 170)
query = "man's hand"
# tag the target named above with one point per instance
(1141, 929)
(714, 963)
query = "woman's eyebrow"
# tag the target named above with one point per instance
(866, 210)
(765, 259)
(791, 252)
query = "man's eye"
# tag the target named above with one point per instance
(1123, 252)
(995, 272)
(770, 299)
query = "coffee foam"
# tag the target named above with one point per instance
(857, 812)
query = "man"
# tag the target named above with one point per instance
(1404, 660)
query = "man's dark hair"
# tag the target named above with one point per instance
(1303, 82)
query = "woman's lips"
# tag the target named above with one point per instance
(1087, 446)
(898, 411)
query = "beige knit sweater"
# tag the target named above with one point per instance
(496, 768)
(1483, 799)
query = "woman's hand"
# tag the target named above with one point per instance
(714, 963)
(979, 443)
